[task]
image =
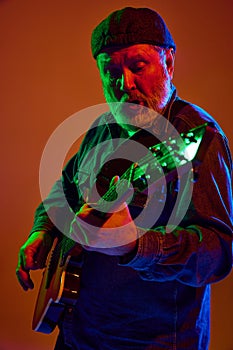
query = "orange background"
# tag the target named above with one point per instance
(47, 74)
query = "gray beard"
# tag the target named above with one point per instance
(142, 117)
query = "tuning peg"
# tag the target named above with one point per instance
(190, 137)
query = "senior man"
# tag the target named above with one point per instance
(151, 288)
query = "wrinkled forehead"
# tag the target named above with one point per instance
(127, 54)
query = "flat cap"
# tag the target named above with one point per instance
(130, 26)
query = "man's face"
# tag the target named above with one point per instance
(139, 74)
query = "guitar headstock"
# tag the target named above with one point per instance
(178, 151)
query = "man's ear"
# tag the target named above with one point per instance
(170, 61)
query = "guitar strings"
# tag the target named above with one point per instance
(135, 174)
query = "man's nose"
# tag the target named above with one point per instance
(127, 82)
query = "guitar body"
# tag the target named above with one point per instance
(59, 289)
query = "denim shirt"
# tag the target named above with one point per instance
(157, 297)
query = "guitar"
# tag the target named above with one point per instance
(60, 283)
(59, 286)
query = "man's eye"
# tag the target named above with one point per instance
(137, 67)
(113, 73)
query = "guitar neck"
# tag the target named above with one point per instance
(159, 164)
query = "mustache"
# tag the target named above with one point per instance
(140, 99)
(133, 97)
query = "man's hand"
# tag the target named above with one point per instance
(32, 256)
(116, 236)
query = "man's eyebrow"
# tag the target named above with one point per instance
(132, 58)
(140, 55)
(106, 59)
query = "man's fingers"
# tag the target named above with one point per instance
(114, 180)
(22, 271)
(24, 278)
(32, 256)
(28, 259)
